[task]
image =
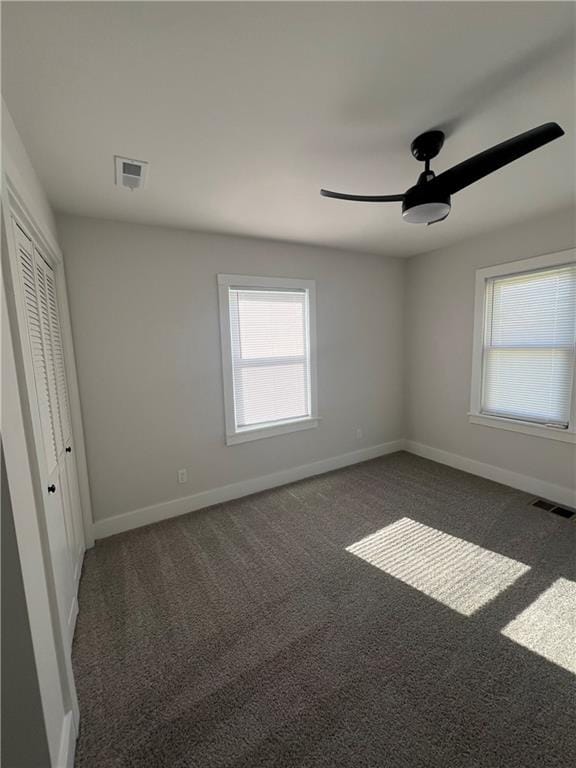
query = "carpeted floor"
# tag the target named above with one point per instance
(394, 614)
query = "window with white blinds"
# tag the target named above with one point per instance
(528, 348)
(267, 348)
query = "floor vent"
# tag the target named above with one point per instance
(563, 512)
(547, 506)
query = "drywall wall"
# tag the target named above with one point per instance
(439, 322)
(144, 308)
(18, 167)
(24, 742)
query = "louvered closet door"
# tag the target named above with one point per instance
(35, 306)
(36, 337)
(61, 409)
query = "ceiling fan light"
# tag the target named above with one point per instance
(426, 213)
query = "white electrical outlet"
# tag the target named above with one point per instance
(182, 475)
(359, 434)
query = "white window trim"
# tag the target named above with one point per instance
(475, 415)
(245, 434)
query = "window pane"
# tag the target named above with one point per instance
(528, 384)
(271, 324)
(271, 393)
(270, 358)
(534, 310)
(529, 342)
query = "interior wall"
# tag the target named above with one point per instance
(24, 742)
(439, 326)
(144, 308)
(17, 166)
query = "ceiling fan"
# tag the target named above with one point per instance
(428, 201)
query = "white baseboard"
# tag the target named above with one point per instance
(558, 493)
(67, 743)
(153, 514)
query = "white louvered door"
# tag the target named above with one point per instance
(61, 401)
(38, 300)
(29, 292)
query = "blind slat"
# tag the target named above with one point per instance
(270, 355)
(529, 343)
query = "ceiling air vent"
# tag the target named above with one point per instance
(130, 174)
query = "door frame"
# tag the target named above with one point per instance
(53, 255)
(26, 468)
(53, 667)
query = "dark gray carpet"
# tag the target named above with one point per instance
(246, 635)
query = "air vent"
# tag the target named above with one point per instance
(130, 174)
(548, 506)
(545, 505)
(563, 512)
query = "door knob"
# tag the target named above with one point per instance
(69, 449)
(52, 488)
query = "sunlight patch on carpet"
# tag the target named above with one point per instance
(548, 626)
(456, 572)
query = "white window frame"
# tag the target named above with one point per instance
(236, 434)
(475, 415)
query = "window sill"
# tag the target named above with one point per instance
(513, 425)
(258, 433)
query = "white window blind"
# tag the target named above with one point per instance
(529, 345)
(269, 334)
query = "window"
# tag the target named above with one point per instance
(525, 339)
(268, 355)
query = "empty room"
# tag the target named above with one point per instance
(288, 399)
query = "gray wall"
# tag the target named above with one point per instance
(144, 309)
(19, 169)
(439, 323)
(24, 743)
(145, 320)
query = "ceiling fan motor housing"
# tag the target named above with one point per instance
(422, 205)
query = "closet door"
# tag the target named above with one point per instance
(35, 304)
(35, 334)
(66, 460)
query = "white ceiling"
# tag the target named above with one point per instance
(244, 110)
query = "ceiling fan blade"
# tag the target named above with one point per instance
(475, 168)
(363, 198)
